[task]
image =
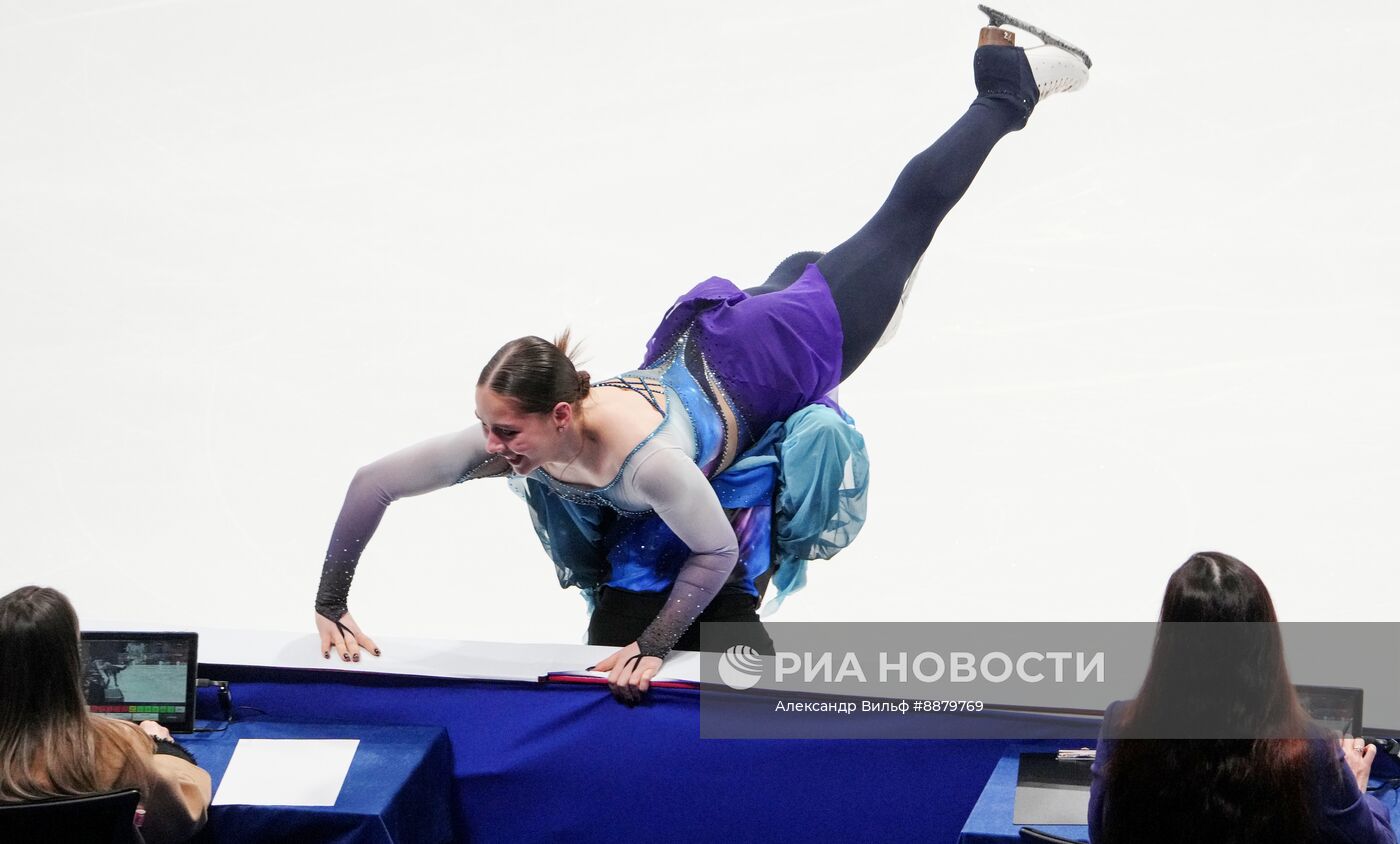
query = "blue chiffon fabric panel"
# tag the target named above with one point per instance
(821, 502)
(813, 466)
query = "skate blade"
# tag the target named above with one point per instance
(1003, 19)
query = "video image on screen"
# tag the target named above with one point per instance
(134, 679)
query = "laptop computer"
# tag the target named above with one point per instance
(1334, 707)
(1051, 791)
(141, 676)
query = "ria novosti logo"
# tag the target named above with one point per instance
(740, 667)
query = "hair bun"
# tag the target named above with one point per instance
(585, 383)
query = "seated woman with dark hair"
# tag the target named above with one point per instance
(1215, 747)
(51, 747)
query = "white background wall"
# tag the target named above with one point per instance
(247, 247)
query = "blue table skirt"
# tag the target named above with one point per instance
(536, 762)
(398, 788)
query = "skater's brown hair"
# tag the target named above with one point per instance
(535, 373)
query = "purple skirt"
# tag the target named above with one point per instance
(774, 354)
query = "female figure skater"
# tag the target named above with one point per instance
(1260, 769)
(628, 480)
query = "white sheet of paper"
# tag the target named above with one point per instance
(286, 772)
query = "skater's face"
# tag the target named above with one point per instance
(525, 440)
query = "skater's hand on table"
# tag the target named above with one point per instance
(628, 676)
(347, 642)
(154, 730)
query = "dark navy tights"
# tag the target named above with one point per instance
(867, 272)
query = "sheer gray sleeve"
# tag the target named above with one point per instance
(682, 496)
(433, 464)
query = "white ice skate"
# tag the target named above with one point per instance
(1058, 66)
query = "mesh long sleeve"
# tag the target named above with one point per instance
(433, 464)
(682, 496)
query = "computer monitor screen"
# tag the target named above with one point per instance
(141, 676)
(1334, 707)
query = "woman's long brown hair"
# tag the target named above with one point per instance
(1220, 682)
(48, 742)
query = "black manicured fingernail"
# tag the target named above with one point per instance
(345, 657)
(326, 654)
(376, 651)
(590, 668)
(356, 657)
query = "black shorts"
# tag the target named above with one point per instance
(621, 616)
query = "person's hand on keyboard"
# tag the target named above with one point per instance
(1359, 756)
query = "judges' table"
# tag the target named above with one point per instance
(550, 762)
(398, 788)
(539, 761)
(990, 820)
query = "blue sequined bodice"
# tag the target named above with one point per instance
(694, 419)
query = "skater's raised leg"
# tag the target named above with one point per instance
(867, 273)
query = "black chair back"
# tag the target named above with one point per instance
(96, 818)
